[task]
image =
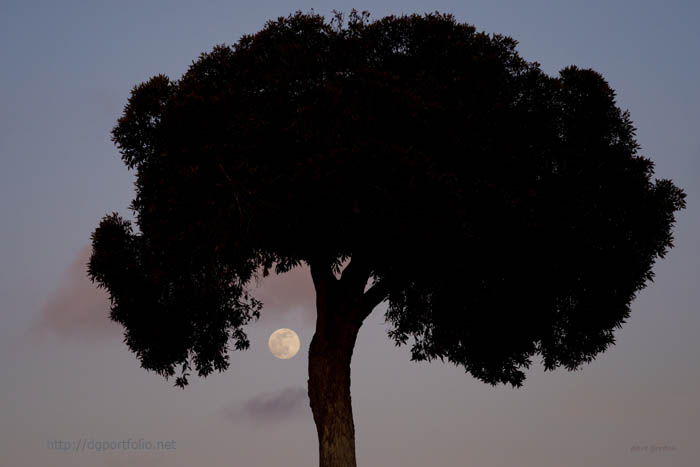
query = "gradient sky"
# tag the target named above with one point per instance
(66, 70)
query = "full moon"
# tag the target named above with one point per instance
(284, 343)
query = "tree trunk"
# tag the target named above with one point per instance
(339, 317)
(329, 395)
(341, 307)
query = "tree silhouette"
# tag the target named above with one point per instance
(503, 213)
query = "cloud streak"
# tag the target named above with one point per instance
(292, 291)
(270, 407)
(77, 308)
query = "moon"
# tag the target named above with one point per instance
(284, 343)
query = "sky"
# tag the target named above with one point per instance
(67, 379)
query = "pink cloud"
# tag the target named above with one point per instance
(292, 291)
(77, 308)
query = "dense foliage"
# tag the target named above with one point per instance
(507, 212)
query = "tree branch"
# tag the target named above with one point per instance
(355, 275)
(374, 296)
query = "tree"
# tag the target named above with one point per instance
(503, 213)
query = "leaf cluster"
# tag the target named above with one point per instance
(508, 212)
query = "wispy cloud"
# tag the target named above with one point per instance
(270, 407)
(292, 291)
(77, 308)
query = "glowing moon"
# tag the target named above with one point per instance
(284, 343)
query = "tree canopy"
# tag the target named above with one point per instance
(505, 214)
